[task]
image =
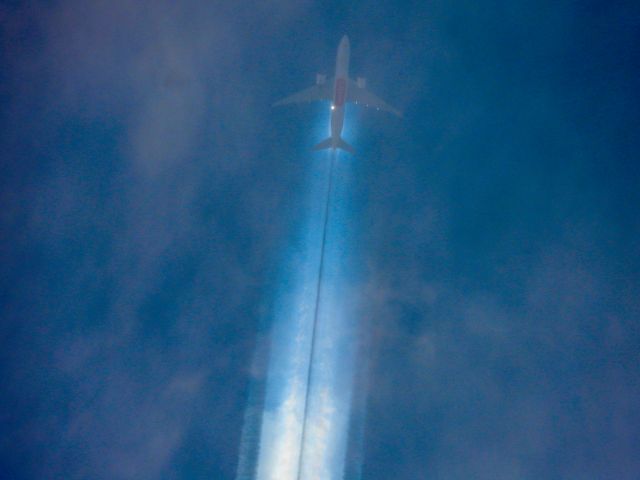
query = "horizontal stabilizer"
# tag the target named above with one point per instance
(335, 143)
(323, 145)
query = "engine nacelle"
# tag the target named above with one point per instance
(361, 82)
(321, 79)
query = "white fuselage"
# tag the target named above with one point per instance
(340, 89)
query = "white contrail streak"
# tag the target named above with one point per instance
(305, 422)
(302, 430)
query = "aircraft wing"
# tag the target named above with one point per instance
(362, 96)
(311, 94)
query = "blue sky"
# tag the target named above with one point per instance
(149, 193)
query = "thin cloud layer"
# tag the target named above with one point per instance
(148, 186)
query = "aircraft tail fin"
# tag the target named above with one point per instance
(338, 143)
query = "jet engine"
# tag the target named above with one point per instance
(321, 79)
(362, 82)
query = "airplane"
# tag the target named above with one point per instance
(344, 90)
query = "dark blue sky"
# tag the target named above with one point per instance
(148, 190)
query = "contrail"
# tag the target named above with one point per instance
(315, 316)
(298, 325)
(297, 425)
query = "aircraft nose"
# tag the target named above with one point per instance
(345, 40)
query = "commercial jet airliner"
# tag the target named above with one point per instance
(344, 90)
